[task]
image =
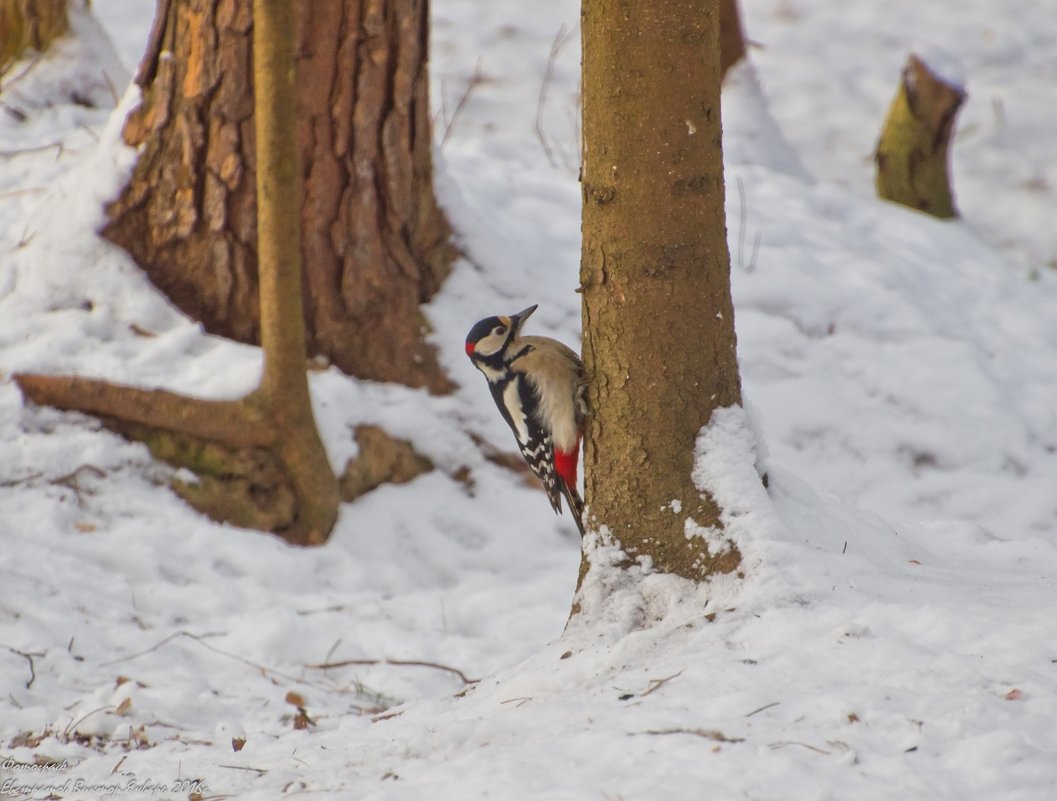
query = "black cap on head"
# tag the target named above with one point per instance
(511, 326)
(482, 328)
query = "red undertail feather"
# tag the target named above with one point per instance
(565, 467)
(565, 464)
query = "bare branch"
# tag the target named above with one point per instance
(560, 40)
(397, 662)
(258, 771)
(656, 684)
(29, 658)
(72, 725)
(708, 734)
(475, 80)
(762, 708)
(138, 654)
(786, 743)
(6, 154)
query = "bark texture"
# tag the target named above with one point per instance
(913, 154)
(659, 344)
(29, 25)
(374, 242)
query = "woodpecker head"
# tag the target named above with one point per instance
(488, 340)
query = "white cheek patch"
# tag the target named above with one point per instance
(512, 401)
(490, 373)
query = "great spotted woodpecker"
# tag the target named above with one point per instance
(538, 385)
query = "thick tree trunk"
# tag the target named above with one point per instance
(374, 243)
(731, 36)
(29, 25)
(659, 345)
(913, 153)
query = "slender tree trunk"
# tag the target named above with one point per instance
(374, 243)
(259, 459)
(284, 383)
(659, 344)
(30, 25)
(913, 153)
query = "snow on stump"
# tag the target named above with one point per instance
(912, 154)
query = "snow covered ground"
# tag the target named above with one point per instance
(894, 635)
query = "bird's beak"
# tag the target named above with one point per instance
(519, 319)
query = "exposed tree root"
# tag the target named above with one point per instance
(382, 460)
(234, 423)
(231, 446)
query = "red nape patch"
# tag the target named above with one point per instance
(565, 465)
(469, 348)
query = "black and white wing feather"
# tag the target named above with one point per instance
(514, 395)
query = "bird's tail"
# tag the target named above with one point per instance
(576, 505)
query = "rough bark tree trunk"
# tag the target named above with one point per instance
(374, 242)
(913, 153)
(29, 25)
(658, 322)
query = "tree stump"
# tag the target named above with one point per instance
(913, 152)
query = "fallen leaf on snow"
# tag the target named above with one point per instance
(295, 699)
